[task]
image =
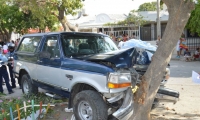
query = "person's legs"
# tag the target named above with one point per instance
(178, 54)
(11, 76)
(6, 78)
(180, 51)
(1, 80)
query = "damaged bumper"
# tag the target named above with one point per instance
(166, 94)
(126, 110)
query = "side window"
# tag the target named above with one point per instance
(51, 46)
(29, 44)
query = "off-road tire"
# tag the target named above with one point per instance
(95, 100)
(32, 88)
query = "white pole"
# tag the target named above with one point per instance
(158, 19)
(139, 31)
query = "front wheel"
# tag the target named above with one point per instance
(27, 86)
(89, 105)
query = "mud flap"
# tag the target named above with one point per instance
(165, 94)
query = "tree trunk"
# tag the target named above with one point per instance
(63, 20)
(179, 13)
(7, 33)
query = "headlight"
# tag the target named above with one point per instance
(119, 80)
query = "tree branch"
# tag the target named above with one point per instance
(71, 27)
(54, 13)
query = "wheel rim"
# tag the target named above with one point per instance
(84, 111)
(73, 117)
(25, 87)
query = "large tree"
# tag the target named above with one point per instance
(150, 6)
(179, 13)
(13, 19)
(193, 23)
(59, 8)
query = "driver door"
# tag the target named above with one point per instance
(49, 62)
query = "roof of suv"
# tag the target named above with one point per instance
(49, 33)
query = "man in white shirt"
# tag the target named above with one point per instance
(121, 43)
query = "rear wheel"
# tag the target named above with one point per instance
(27, 86)
(89, 105)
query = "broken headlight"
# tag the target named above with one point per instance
(119, 80)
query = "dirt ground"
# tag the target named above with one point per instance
(188, 106)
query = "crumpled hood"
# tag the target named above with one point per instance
(121, 58)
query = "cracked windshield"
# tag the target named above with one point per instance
(86, 45)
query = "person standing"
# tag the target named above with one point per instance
(9, 55)
(178, 48)
(121, 43)
(4, 74)
(127, 36)
(133, 37)
(124, 38)
(112, 37)
(5, 48)
(158, 40)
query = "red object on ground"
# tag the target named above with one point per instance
(196, 56)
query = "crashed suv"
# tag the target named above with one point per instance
(87, 68)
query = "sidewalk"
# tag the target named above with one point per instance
(182, 58)
(175, 58)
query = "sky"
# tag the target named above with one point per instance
(94, 7)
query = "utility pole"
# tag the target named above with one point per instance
(158, 19)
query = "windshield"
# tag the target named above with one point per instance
(77, 45)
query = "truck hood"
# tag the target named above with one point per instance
(124, 58)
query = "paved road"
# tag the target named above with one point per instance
(187, 108)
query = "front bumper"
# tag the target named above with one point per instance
(165, 94)
(126, 110)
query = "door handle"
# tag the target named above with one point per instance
(70, 77)
(39, 61)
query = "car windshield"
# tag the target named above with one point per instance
(77, 45)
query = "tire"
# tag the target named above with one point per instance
(27, 86)
(155, 103)
(90, 104)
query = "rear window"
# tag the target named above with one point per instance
(29, 44)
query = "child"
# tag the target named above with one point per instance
(196, 54)
(187, 55)
(5, 48)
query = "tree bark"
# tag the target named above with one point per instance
(7, 33)
(179, 13)
(63, 20)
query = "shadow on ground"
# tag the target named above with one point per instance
(171, 114)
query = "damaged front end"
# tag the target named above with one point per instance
(120, 98)
(125, 111)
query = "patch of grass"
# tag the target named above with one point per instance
(2, 94)
(5, 104)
